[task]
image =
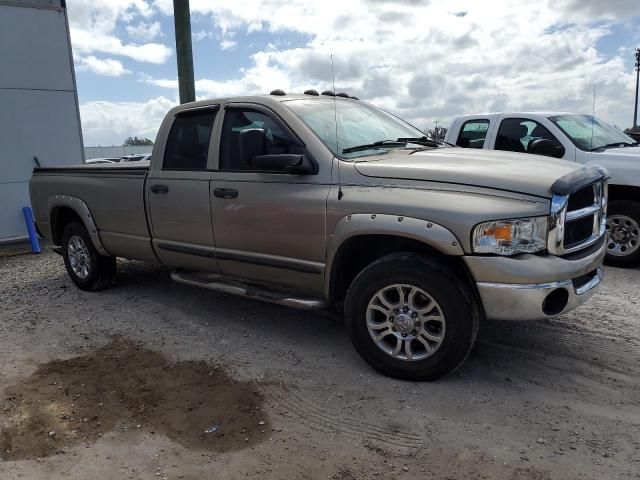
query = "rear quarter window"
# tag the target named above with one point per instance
(473, 134)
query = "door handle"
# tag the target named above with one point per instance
(225, 192)
(159, 188)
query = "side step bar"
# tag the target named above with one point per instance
(222, 284)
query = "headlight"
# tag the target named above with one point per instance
(508, 237)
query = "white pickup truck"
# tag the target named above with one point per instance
(577, 138)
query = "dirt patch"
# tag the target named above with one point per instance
(124, 387)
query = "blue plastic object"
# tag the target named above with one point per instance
(33, 236)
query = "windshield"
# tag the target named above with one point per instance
(590, 133)
(358, 124)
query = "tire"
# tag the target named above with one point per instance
(88, 269)
(623, 234)
(453, 301)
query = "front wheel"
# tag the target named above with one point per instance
(410, 317)
(87, 268)
(623, 234)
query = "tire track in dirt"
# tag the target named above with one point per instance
(586, 347)
(320, 419)
(240, 355)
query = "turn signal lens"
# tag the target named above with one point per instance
(500, 232)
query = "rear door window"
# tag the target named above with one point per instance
(473, 133)
(188, 143)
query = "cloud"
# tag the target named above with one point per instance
(423, 60)
(201, 35)
(106, 66)
(426, 60)
(596, 9)
(144, 31)
(93, 23)
(227, 44)
(85, 42)
(109, 123)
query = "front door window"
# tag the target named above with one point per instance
(517, 134)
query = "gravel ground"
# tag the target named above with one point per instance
(123, 383)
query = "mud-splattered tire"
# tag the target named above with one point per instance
(407, 298)
(88, 269)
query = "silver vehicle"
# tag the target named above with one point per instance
(136, 157)
(93, 161)
(316, 201)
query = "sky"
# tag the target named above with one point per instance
(423, 60)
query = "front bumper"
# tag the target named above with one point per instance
(535, 287)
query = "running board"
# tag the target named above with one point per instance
(222, 284)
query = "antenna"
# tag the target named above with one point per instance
(593, 113)
(335, 119)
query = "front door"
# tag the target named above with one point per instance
(269, 226)
(178, 194)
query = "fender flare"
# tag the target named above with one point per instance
(82, 210)
(429, 233)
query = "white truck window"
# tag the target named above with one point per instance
(517, 134)
(590, 133)
(473, 133)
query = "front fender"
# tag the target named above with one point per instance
(429, 233)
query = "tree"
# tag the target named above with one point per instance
(633, 133)
(134, 141)
(437, 134)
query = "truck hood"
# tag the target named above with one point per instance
(622, 151)
(623, 164)
(514, 172)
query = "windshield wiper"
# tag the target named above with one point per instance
(429, 142)
(612, 145)
(400, 142)
(378, 144)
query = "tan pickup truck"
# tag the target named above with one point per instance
(321, 201)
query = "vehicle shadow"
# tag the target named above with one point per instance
(505, 349)
(301, 329)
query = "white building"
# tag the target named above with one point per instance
(39, 114)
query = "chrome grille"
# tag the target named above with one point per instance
(578, 220)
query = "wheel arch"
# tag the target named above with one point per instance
(624, 192)
(360, 239)
(64, 209)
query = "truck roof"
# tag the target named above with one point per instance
(516, 114)
(266, 99)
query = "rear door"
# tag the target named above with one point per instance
(269, 225)
(178, 193)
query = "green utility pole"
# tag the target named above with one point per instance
(635, 109)
(182, 20)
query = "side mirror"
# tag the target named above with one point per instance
(463, 142)
(252, 142)
(283, 162)
(549, 148)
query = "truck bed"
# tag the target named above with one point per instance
(114, 195)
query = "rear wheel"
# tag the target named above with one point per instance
(623, 234)
(410, 317)
(88, 269)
